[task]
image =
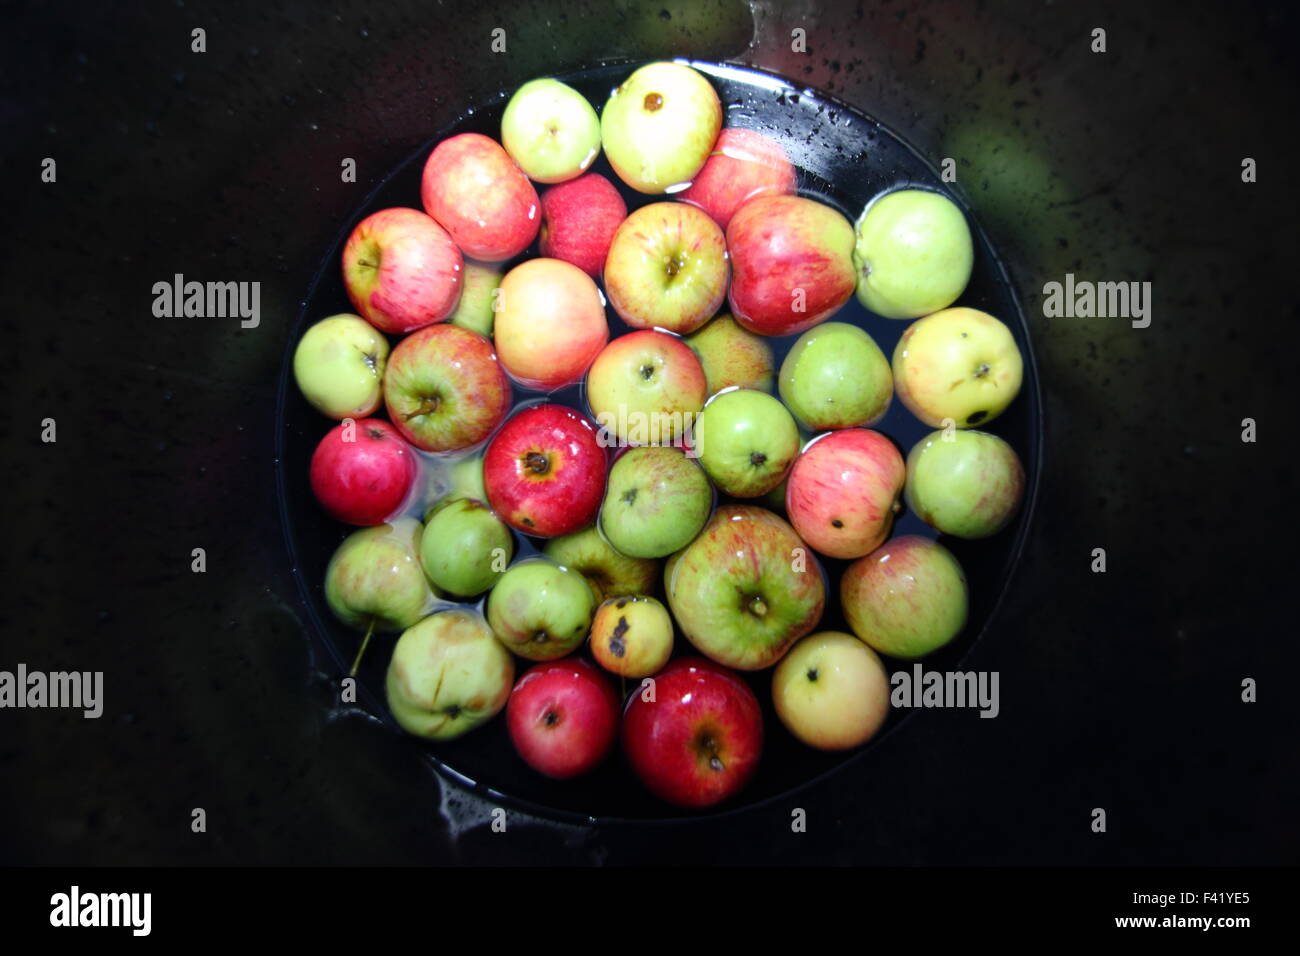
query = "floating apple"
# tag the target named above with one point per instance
(465, 547)
(831, 691)
(960, 364)
(401, 270)
(905, 599)
(477, 306)
(656, 501)
(361, 472)
(473, 188)
(374, 580)
(746, 588)
(964, 483)
(732, 357)
(339, 366)
(550, 130)
(579, 219)
(913, 254)
(563, 718)
(835, 376)
(550, 323)
(460, 479)
(746, 441)
(540, 610)
(645, 387)
(744, 165)
(607, 571)
(632, 635)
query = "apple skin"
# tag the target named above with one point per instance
(844, 492)
(632, 636)
(744, 165)
(699, 741)
(448, 675)
(550, 323)
(444, 388)
(608, 572)
(476, 309)
(463, 546)
(401, 270)
(913, 254)
(374, 578)
(905, 599)
(579, 219)
(745, 589)
(473, 188)
(461, 479)
(831, 691)
(563, 718)
(540, 610)
(968, 484)
(550, 130)
(746, 440)
(647, 382)
(667, 268)
(339, 366)
(780, 244)
(836, 376)
(656, 501)
(361, 473)
(960, 364)
(732, 357)
(659, 126)
(545, 471)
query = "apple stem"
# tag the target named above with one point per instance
(365, 641)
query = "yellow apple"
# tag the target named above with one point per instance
(831, 691)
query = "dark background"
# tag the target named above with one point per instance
(1119, 690)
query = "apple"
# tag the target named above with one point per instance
(579, 219)
(545, 471)
(449, 481)
(844, 492)
(473, 188)
(374, 580)
(964, 483)
(905, 599)
(667, 268)
(731, 356)
(540, 610)
(401, 270)
(478, 298)
(550, 323)
(448, 675)
(361, 472)
(835, 376)
(632, 636)
(339, 366)
(744, 165)
(746, 441)
(659, 126)
(960, 364)
(792, 264)
(913, 254)
(656, 501)
(444, 388)
(608, 572)
(698, 740)
(465, 547)
(550, 130)
(645, 387)
(831, 691)
(745, 589)
(563, 718)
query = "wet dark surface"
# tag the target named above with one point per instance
(1119, 690)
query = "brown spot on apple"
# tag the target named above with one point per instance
(616, 645)
(653, 102)
(837, 523)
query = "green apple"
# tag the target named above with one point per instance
(746, 441)
(905, 599)
(339, 366)
(478, 296)
(448, 675)
(913, 254)
(659, 126)
(460, 479)
(835, 376)
(656, 501)
(608, 572)
(465, 547)
(540, 610)
(731, 355)
(831, 691)
(551, 131)
(374, 580)
(632, 636)
(964, 483)
(958, 365)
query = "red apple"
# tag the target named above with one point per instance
(563, 718)
(362, 472)
(744, 165)
(550, 323)
(699, 740)
(401, 270)
(579, 219)
(791, 264)
(475, 190)
(844, 491)
(545, 471)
